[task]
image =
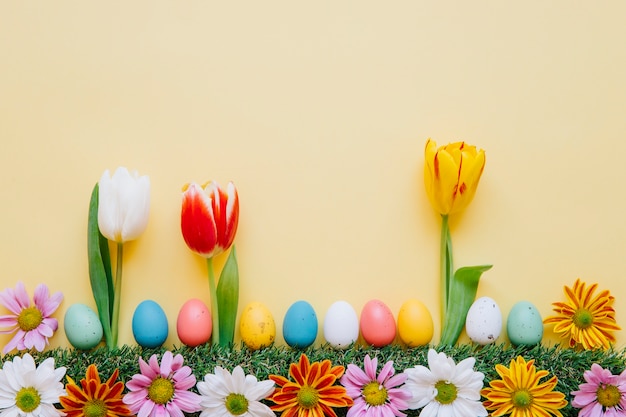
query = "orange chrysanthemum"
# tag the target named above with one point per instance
(520, 394)
(313, 392)
(585, 320)
(93, 398)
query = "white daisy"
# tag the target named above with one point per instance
(225, 395)
(27, 390)
(446, 389)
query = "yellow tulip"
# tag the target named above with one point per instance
(451, 175)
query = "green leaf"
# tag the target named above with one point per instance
(106, 261)
(228, 299)
(462, 294)
(99, 268)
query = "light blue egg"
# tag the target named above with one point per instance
(82, 327)
(524, 325)
(300, 325)
(149, 324)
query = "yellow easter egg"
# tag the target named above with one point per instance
(256, 326)
(415, 324)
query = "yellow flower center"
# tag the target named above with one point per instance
(583, 318)
(608, 395)
(236, 404)
(161, 390)
(522, 399)
(27, 399)
(446, 392)
(95, 408)
(374, 393)
(29, 319)
(308, 397)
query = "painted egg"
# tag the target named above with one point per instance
(82, 327)
(378, 326)
(257, 326)
(415, 324)
(341, 325)
(524, 325)
(194, 323)
(149, 324)
(300, 325)
(483, 323)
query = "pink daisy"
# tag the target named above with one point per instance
(377, 396)
(162, 390)
(604, 394)
(31, 324)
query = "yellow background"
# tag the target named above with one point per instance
(319, 112)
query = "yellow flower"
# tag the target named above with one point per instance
(520, 394)
(585, 320)
(313, 392)
(451, 175)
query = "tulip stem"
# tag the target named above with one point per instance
(214, 306)
(118, 294)
(445, 266)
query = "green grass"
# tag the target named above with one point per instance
(567, 364)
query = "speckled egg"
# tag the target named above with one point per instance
(415, 324)
(300, 325)
(82, 327)
(378, 326)
(257, 326)
(341, 325)
(483, 323)
(524, 325)
(194, 324)
(149, 324)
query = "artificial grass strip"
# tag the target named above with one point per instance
(567, 364)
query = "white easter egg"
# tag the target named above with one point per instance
(341, 325)
(483, 323)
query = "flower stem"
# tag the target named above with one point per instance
(214, 306)
(118, 295)
(445, 266)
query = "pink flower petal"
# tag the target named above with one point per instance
(166, 365)
(159, 411)
(173, 410)
(44, 330)
(8, 321)
(139, 382)
(146, 409)
(14, 299)
(187, 401)
(386, 372)
(177, 363)
(13, 343)
(21, 296)
(46, 304)
(151, 369)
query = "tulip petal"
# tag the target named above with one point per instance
(137, 199)
(124, 203)
(451, 175)
(197, 222)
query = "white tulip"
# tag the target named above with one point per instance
(123, 204)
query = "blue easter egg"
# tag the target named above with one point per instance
(149, 324)
(524, 325)
(300, 325)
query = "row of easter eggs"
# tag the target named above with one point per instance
(341, 327)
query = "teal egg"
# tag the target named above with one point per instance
(524, 325)
(149, 324)
(82, 327)
(300, 325)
